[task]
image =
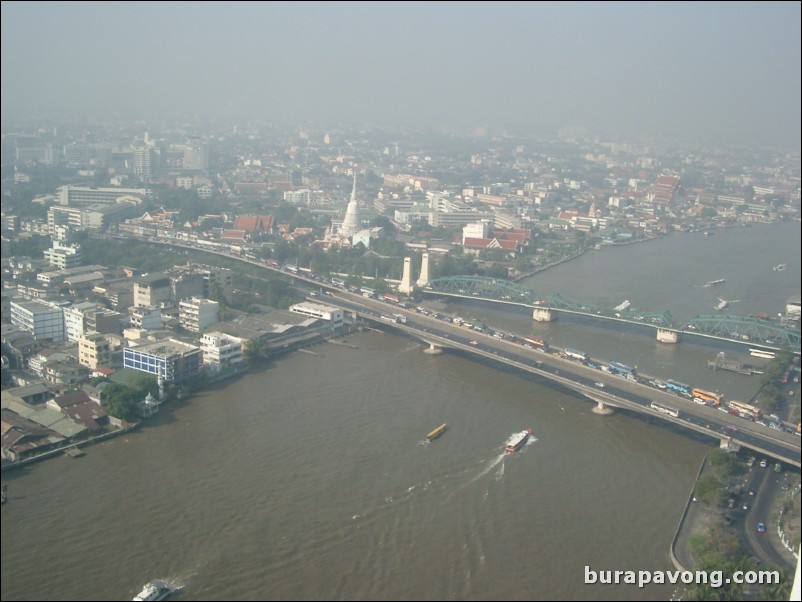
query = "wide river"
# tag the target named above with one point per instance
(311, 479)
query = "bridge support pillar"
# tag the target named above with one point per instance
(667, 336)
(433, 349)
(601, 409)
(543, 315)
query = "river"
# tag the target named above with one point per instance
(311, 478)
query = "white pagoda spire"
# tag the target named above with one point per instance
(351, 224)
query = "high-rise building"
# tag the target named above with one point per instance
(196, 154)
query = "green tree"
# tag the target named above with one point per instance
(119, 401)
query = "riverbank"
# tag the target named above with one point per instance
(519, 277)
(78, 445)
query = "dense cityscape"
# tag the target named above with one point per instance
(401, 301)
(99, 331)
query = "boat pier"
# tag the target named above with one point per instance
(722, 363)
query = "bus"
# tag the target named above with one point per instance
(536, 343)
(338, 282)
(391, 298)
(745, 410)
(621, 370)
(711, 399)
(575, 354)
(678, 387)
(664, 409)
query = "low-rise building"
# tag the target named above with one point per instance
(169, 360)
(220, 351)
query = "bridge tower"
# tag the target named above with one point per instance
(667, 336)
(543, 314)
(406, 279)
(423, 280)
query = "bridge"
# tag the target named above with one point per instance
(734, 329)
(731, 431)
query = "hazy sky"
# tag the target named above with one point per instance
(721, 71)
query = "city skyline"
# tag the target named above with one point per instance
(708, 72)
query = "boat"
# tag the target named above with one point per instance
(623, 306)
(155, 590)
(517, 441)
(779, 267)
(437, 432)
(722, 304)
(769, 355)
(715, 282)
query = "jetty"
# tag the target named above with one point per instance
(722, 363)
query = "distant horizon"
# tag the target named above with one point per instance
(709, 73)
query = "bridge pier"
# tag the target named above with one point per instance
(543, 315)
(667, 336)
(433, 349)
(601, 409)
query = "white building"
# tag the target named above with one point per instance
(84, 195)
(75, 319)
(323, 312)
(43, 320)
(220, 351)
(197, 313)
(63, 255)
(146, 318)
(479, 229)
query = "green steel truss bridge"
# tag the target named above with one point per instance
(736, 329)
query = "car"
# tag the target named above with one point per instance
(751, 461)
(746, 506)
(763, 463)
(761, 528)
(751, 492)
(600, 385)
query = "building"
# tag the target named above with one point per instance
(197, 313)
(170, 360)
(94, 351)
(196, 154)
(75, 319)
(63, 255)
(146, 318)
(43, 320)
(220, 351)
(85, 195)
(334, 315)
(151, 289)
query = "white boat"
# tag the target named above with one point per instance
(769, 355)
(715, 282)
(517, 441)
(779, 268)
(155, 590)
(722, 304)
(623, 306)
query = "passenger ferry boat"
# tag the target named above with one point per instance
(517, 441)
(155, 590)
(437, 432)
(769, 355)
(624, 305)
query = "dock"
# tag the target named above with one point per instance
(722, 363)
(74, 452)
